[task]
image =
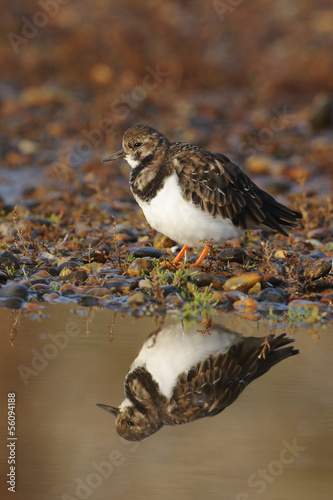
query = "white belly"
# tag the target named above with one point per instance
(173, 351)
(182, 221)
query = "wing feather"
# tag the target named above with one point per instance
(220, 188)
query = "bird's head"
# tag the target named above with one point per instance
(131, 423)
(140, 144)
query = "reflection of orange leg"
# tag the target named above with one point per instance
(202, 256)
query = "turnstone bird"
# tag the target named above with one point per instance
(192, 195)
(180, 376)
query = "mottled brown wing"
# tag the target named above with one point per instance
(219, 187)
(215, 383)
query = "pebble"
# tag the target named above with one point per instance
(318, 286)
(242, 283)
(12, 302)
(246, 305)
(272, 279)
(137, 299)
(68, 264)
(41, 288)
(145, 284)
(146, 252)
(68, 292)
(138, 267)
(76, 277)
(282, 254)
(122, 287)
(88, 301)
(232, 255)
(317, 270)
(52, 297)
(205, 279)
(99, 292)
(9, 260)
(235, 295)
(317, 255)
(327, 299)
(37, 280)
(253, 316)
(219, 297)
(14, 290)
(302, 303)
(174, 301)
(169, 289)
(255, 289)
(314, 243)
(161, 241)
(3, 277)
(271, 295)
(96, 255)
(271, 268)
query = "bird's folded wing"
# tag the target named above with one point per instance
(209, 387)
(220, 188)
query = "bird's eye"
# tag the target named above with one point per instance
(137, 144)
(130, 423)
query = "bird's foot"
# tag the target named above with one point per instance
(176, 262)
(201, 257)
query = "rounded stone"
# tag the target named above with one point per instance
(12, 302)
(246, 305)
(232, 255)
(271, 295)
(69, 264)
(138, 267)
(145, 284)
(3, 277)
(76, 277)
(161, 241)
(122, 287)
(146, 252)
(88, 301)
(317, 270)
(137, 299)
(302, 303)
(9, 261)
(14, 290)
(99, 292)
(205, 279)
(242, 283)
(317, 286)
(169, 289)
(272, 279)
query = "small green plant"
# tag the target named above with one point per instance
(55, 287)
(307, 315)
(11, 271)
(199, 304)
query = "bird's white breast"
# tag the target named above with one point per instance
(183, 221)
(173, 351)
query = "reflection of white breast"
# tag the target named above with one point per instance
(174, 350)
(183, 221)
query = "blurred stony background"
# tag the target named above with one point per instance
(250, 79)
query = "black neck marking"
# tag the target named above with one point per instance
(146, 189)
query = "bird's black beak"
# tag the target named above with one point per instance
(115, 156)
(111, 409)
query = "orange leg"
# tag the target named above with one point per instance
(180, 255)
(201, 256)
(175, 262)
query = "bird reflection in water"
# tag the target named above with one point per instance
(182, 375)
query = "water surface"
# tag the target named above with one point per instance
(274, 442)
